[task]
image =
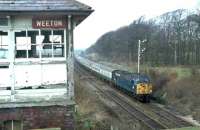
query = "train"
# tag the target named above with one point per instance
(138, 85)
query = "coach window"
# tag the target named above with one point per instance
(3, 45)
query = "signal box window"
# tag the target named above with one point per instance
(36, 43)
(4, 45)
(34, 47)
(53, 43)
(12, 125)
(3, 21)
(21, 42)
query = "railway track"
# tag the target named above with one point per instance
(164, 116)
(162, 119)
(169, 118)
(161, 114)
(149, 122)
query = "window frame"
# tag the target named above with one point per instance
(52, 58)
(12, 124)
(8, 18)
(7, 46)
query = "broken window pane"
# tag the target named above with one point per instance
(29, 44)
(58, 50)
(13, 125)
(59, 36)
(21, 44)
(3, 21)
(4, 45)
(47, 46)
(47, 50)
(34, 51)
(58, 40)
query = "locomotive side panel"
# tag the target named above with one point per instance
(123, 81)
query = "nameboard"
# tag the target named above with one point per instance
(49, 22)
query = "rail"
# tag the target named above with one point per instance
(164, 119)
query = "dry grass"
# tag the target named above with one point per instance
(91, 113)
(184, 94)
(181, 93)
(96, 112)
(179, 88)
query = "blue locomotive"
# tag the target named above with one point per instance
(137, 84)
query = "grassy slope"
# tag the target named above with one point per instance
(91, 112)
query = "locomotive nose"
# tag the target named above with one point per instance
(144, 88)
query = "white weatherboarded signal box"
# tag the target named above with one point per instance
(36, 63)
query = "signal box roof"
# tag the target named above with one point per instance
(43, 6)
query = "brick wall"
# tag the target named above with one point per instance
(41, 117)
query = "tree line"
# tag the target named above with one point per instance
(170, 39)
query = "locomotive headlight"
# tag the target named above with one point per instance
(144, 88)
(150, 88)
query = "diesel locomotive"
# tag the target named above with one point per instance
(138, 85)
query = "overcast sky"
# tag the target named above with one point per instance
(111, 14)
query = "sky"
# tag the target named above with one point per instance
(110, 15)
